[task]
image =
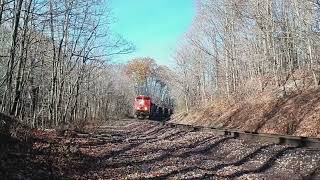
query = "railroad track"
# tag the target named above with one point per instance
(274, 138)
(297, 141)
(143, 149)
(219, 154)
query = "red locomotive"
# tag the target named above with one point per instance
(145, 108)
(142, 106)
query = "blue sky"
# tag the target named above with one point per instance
(153, 26)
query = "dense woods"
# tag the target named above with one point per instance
(53, 62)
(237, 49)
(54, 56)
(244, 69)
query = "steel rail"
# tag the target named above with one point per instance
(296, 141)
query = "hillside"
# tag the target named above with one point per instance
(296, 114)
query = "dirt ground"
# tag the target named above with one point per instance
(132, 149)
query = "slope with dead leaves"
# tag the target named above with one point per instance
(296, 114)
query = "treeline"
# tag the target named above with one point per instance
(152, 80)
(236, 49)
(53, 66)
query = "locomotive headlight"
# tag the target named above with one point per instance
(145, 108)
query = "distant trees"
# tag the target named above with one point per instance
(52, 61)
(235, 48)
(140, 70)
(150, 79)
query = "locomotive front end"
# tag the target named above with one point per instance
(142, 106)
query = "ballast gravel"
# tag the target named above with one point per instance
(133, 149)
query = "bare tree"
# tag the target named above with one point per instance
(54, 64)
(244, 43)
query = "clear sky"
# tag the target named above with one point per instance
(153, 26)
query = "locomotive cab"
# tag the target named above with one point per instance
(145, 108)
(142, 106)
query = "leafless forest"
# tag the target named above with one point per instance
(65, 103)
(55, 54)
(54, 64)
(54, 61)
(238, 49)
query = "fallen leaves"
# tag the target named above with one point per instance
(140, 149)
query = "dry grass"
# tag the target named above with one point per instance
(294, 114)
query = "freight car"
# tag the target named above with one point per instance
(145, 108)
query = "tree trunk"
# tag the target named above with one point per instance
(10, 65)
(22, 62)
(2, 3)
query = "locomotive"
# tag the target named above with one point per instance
(145, 108)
